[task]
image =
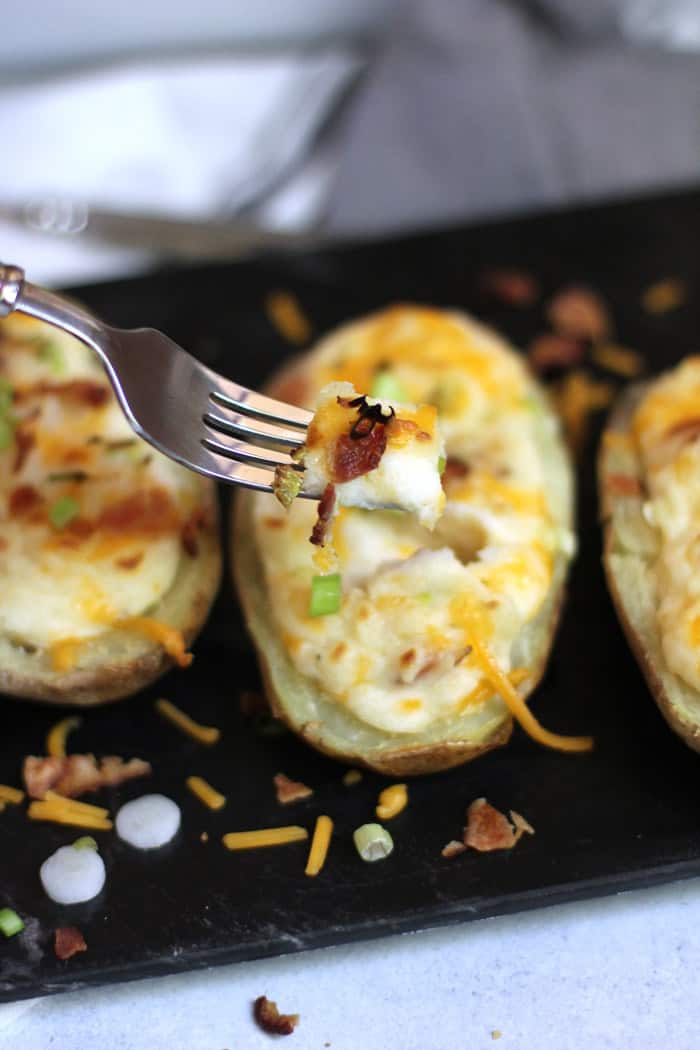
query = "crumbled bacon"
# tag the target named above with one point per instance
(271, 1020)
(550, 352)
(68, 940)
(290, 790)
(581, 313)
(77, 774)
(23, 499)
(131, 561)
(454, 470)
(623, 485)
(453, 849)
(326, 506)
(197, 520)
(353, 457)
(82, 391)
(511, 286)
(487, 828)
(150, 511)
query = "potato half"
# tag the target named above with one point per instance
(458, 729)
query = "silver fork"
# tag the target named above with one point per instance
(188, 412)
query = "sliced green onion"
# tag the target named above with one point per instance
(287, 485)
(10, 922)
(387, 387)
(6, 394)
(63, 511)
(373, 842)
(48, 351)
(7, 432)
(85, 842)
(442, 463)
(326, 593)
(424, 596)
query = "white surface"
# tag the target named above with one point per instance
(607, 974)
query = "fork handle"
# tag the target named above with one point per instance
(18, 295)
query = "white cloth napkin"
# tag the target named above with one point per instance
(192, 139)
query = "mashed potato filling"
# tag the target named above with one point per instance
(396, 653)
(667, 430)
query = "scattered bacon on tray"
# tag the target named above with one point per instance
(551, 352)
(453, 849)
(77, 774)
(511, 286)
(625, 485)
(488, 829)
(579, 312)
(271, 1020)
(290, 790)
(68, 941)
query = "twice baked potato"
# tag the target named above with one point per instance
(109, 552)
(649, 475)
(439, 635)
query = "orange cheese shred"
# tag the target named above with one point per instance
(319, 845)
(59, 814)
(12, 795)
(206, 793)
(286, 315)
(64, 655)
(264, 837)
(57, 736)
(203, 734)
(169, 637)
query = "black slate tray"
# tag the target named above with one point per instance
(624, 816)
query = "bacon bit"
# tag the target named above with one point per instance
(511, 286)
(407, 658)
(68, 941)
(74, 534)
(453, 848)
(4, 544)
(522, 826)
(454, 470)
(25, 440)
(149, 511)
(338, 651)
(290, 790)
(197, 520)
(326, 506)
(663, 296)
(550, 352)
(273, 523)
(83, 391)
(353, 457)
(285, 313)
(130, 562)
(78, 774)
(487, 828)
(271, 1020)
(618, 360)
(623, 485)
(396, 427)
(579, 312)
(251, 704)
(23, 498)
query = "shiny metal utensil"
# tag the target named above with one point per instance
(188, 412)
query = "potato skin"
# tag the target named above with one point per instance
(119, 666)
(645, 642)
(392, 759)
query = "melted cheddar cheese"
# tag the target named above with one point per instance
(667, 431)
(398, 654)
(91, 518)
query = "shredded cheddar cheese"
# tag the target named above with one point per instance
(286, 315)
(58, 814)
(202, 734)
(206, 793)
(235, 840)
(57, 735)
(64, 654)
(169, 637)
(86, 808)
(10, 794)
(392, 801)
(319, 845)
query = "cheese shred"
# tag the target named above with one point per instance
(264, 837)
(319, 845)
(206, 793)
(10, 794)
(392, 801)
(202, 734)
(59, 814)
(57, 735)
(170, 638)
(286, 315)
(72, 804)
(517, 706)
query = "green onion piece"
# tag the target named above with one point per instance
(373, 842)
(48, 351)
(424, 596)
(10, 922)
(442, 463)
(7, 432)
(85, 842)
(287, 485)
(326, 593)
(6, 394)
(63, 511)
(387, 387)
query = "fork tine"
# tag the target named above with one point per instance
(244, 453)
(270, 437)
(257, 406)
